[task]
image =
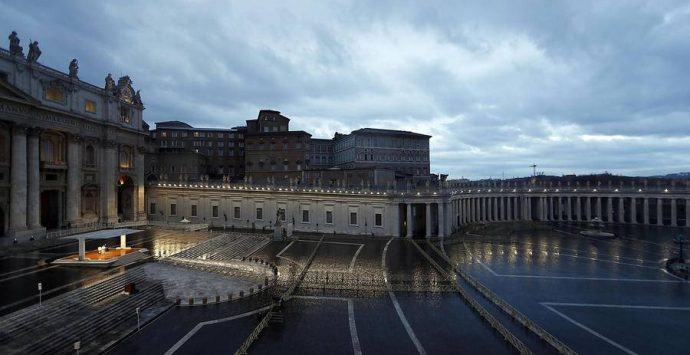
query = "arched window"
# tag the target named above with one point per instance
(126, 156)
(52, 148)
(90, 156)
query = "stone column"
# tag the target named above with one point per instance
(687, 212)
(441, 220)
(645, 210)
(18, 180)
(621, 210)
(659, 212)
(674, 219)
(140, 207)
(597, 207)
(550, 216)
(509, 209)
(409, 220)
(33, 207)
(633, 210)
(108, 212)
(73, 198)
(588, 208)
(529, 209)
(428, 220)
(502, 209)
(609, 209)
(494, 203)
(559, 208)
(578, 208)
(569, 209)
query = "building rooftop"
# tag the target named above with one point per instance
(391, 132)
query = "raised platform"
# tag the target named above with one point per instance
(111, 257)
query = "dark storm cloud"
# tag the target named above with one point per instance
(575, 87)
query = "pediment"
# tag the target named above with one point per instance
(10, 91)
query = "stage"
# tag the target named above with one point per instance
(104, 257)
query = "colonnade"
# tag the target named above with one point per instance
(442, 229)
(657, 209)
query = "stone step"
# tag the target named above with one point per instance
(90, 325)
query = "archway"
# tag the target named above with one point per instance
(125, 198)
(50, 207)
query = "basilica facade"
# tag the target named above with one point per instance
(71, 153)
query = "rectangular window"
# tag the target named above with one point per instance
(152, 208)
(89, 106)
(214, 211)
(259, 213)
(305, 216)
(193, 212)
(353, 218)
(329, 217)
(55, 94)
(237, 213)
(378, 219)
(173, 209)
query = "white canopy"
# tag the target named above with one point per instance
(102, 234)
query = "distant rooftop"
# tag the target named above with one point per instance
(185, 126)
(172, 124)
(391, 132)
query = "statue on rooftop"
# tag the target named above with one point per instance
(73, 69)
(137, 98)
(109, 84)
(15, 48)
(34, 52)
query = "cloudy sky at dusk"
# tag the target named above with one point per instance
(573, 86)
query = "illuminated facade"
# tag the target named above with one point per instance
(70, 152)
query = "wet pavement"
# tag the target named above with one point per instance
(20, 273)
(597, 296)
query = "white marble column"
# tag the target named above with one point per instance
(645, 210)
(659, 212)
(33, 207)
(73, 198)
(108, 194)
(609, 209)
(559, 208)
(674, 217)
(428, 220)
(633, 210)
(441, 220)
(18, 180)
(140, 207)
(509, 209)
(409, 220)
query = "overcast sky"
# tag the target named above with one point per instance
(574, 87)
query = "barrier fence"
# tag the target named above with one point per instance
(242, 350)
(493, 322)
(507, 307)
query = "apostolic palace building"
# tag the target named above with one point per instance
(75, 154)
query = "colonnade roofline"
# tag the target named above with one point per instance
(536, 190)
